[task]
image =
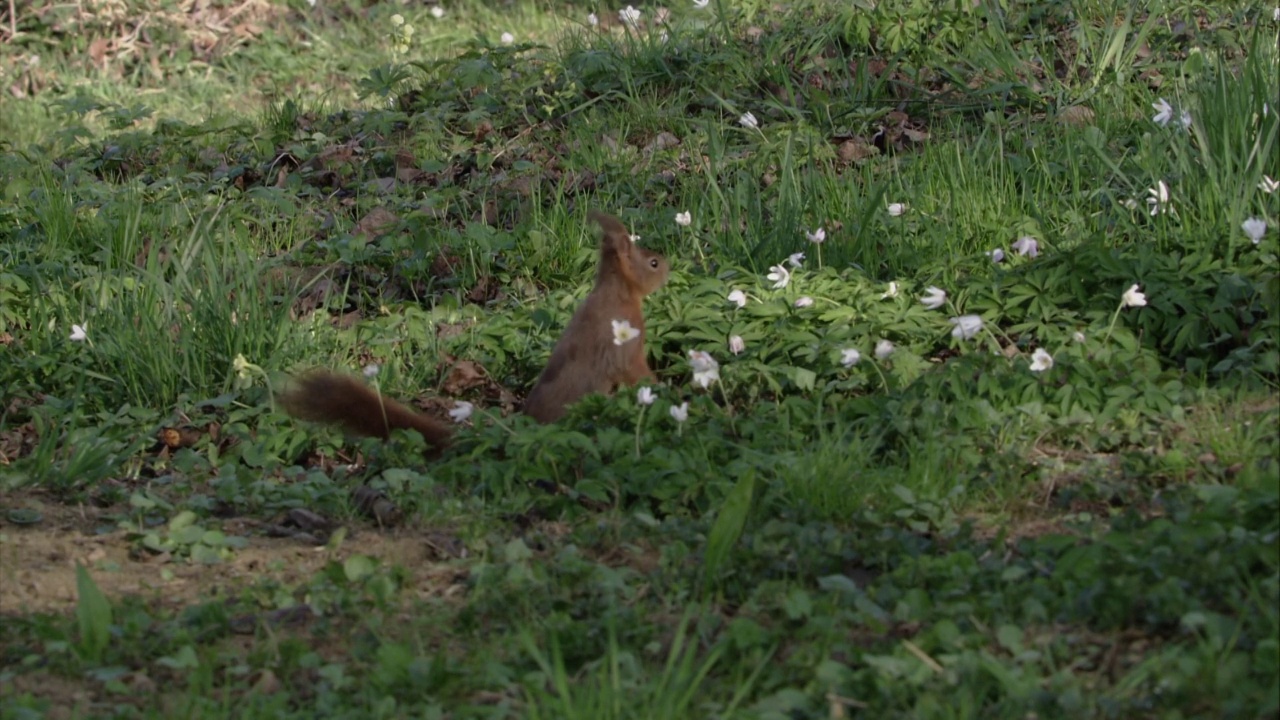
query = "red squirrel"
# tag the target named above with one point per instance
(589, 357)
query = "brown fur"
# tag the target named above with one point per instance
(584, 361)
(322, 396)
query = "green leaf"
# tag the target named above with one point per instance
(206, 555)
(516, 551)
(798, 604)
(729, 523)
(358, 567)
(804, 379)
(182, 520)
(184, 659)
(1010, 637)
(93, 616)
(188, 535)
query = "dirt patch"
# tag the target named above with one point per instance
(38, 562)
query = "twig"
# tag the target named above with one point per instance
(922, 656)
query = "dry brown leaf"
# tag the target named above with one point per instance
(407, 167)
(1076, 116)
(914, 135)
(463, 375)
(347, 320)
(855, 149)
(660, 142)
(375, 222)
(487, 289)
(98, 49)
(175, 438)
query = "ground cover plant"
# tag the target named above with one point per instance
(968, 360)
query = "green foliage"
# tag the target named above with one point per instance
(618, 685)
(912, 26)
(93, 616)
(730, 522)
(184, 537)
(1069, 511)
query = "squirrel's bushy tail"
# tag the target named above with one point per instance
(323, 396)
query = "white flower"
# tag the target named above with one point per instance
(996, 255)
(634, 238)
(892, 292)
(738, 298)
(748, 121)
(884, 349)
(705, 368)
(737, 344)
(1158, 202)
(1185, 119)
(684, 219)
(461, 411)
(1275, 15)
(1133, 298)
(1255, 228)
(370, 370)
(794, 259)
(966, 326)
(850, 357)
(934, 297)
(896, 209)
(1164, 112)
(507, 38)
(397, 19)
(1268, 185)
(592, 20)
(629, 15)
(623, 332)
(663, 37)
(804, 301)
(1027, 245)
(239, 363)
(780, 276)
(645, 395)
(1041, 360)
(817, 236)
(680, 412)
(1077, 336)
(78, 333)
(701, 4)
(437, 12)
(402, 37)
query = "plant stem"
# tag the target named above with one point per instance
(639, 424)
(884, 382)
(1112, 325)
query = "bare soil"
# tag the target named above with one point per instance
(38, 562)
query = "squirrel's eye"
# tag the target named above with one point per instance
(653, 263)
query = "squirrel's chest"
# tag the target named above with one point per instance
(591, 336)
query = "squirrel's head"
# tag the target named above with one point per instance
(644, 271)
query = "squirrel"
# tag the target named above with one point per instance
(588, 358)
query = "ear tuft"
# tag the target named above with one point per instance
(615, 233)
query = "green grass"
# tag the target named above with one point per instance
(936, 532)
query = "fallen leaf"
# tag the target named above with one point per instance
(464, 375)
(375, 222)
(1075, 116)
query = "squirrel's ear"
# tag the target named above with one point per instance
(615, 233)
